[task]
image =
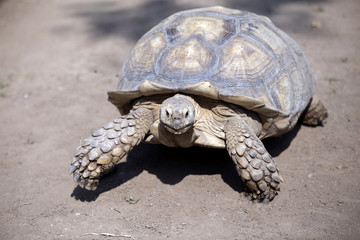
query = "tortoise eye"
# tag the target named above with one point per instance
(168, 112)
(186, 113)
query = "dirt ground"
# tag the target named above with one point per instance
(58, 59)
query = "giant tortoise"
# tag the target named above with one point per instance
(212, 77)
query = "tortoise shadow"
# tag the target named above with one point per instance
(107, 18)
(172, 165)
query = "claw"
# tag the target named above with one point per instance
(72, 169)
(76, 177)
(82, 183)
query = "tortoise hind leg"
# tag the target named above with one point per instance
(253, 162)
(108, 145)
(315, 114)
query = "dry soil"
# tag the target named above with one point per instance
(58, 59)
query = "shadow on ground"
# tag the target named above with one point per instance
(110, 19)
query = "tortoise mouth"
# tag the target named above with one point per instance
(177, 131)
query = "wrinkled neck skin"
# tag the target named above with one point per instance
(185, 120)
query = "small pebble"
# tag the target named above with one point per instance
(212, 214)
(315, 24)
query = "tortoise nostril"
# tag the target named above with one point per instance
(176, 117)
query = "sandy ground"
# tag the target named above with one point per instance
(58, 59)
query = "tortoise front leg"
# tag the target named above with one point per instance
(108, 145)
(253, 162)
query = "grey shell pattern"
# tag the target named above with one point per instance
(229, 55)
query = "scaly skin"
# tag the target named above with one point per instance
(253, 162)
(108, 145)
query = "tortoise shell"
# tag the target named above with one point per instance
(224, 54)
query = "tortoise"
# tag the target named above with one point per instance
(212, 77)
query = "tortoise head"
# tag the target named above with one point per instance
(177, 114)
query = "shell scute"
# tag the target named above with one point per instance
(210, 28)
(142, 58)
(245, 61)
(263, 30)
(190, 58)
